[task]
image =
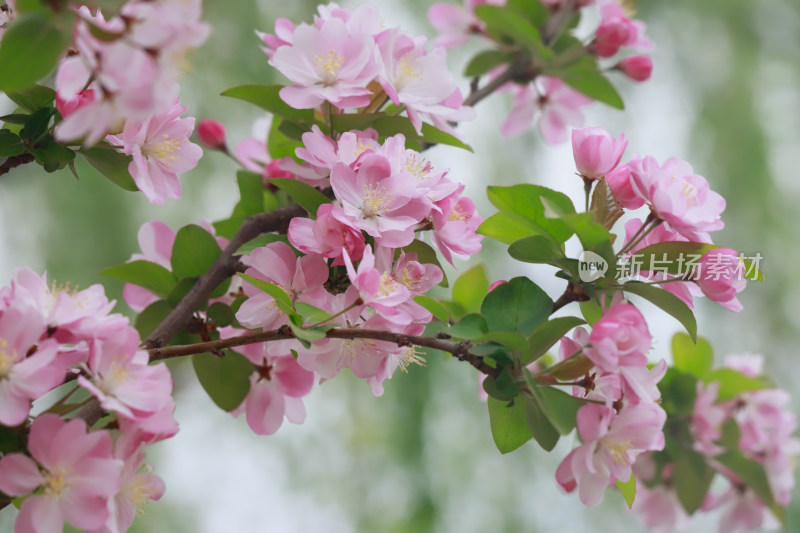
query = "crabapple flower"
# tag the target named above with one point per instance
(678, 196)
(75, 469)
(707, 419)
(24, 377)
(276, 389)
(327, 63)
(155, 240)
(619, 338)
(741, 511)
(659, 509)
(596, 152)
(456, 24)
(161, 150)
(212, 134)
(301, 279)
(720, 275)
(619, 181)
(377, 288)
(637, 68)
(558, 108)
(327, 235)
(611, 443)
(284, 29)
(455, 223)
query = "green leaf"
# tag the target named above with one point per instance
(37, 125)
(30, 49)
(251, 189)
(594, 237)
(732, 383)
(33, 98)
(112, 164)
(536, 249)
(434, 307)
(225, 379)
(585, 77)
(538, 422)
(547, 334)
(511, 340)
(628, 490)
(10, 144)
(674, 257)
(181, 290)
(310, 314)
(692, 478)
(151, 316)
(425, 255)
(696, 359)
(572, 367)
(145, 274)
(282, 299)
(470, 288)
(485, 61)
(505, 21)
(751, 473)
(678, 392)
(533, 10)
(561, 408)
(308, 335)
(518, 305)
(509, 424)
(667, 302)
(260, 242)
(389, 126)
(305, 195)
(502, 387)
(193, 252)
(266, 97)
(470, 326)
(221, 314)
(503, 228)
(534, 207)
(279, 144)
(591, 311)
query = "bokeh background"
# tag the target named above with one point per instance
(725, 95)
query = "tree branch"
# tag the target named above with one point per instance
(15, 161)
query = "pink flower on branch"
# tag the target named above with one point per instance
(596, 152)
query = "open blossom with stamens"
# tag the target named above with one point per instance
(377, 287)
(678, 196)
(327, 63)
(75, 471)
(455, 222)
(456, 24)
(161, 150)
(326, 235)
(611, 443)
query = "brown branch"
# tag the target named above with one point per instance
(558, 21)
(223, 268)
(15, 161)
(459, 349)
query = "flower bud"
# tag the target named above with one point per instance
(637, 68)
(596, 152)
(211, 134)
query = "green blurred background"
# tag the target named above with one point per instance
(725, 96)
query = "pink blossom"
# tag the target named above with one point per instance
(741, 511)
(619, 181)
(24, 377)
(611, 443)
(596, 152)
(749, 364)
(678, 196)
(377, 201)
(619, 338)
(707, 419)
(455, 223)
(155, 240)
(720, 275)
(637, 68)
(121, 378)
(378, 288)
(284, 29)
(212, 134)
(161, 150)
(301, 279)
(276, 389)
(558, 107)
(326, 235)
(659, 509)
(75, 469)
(327, 63)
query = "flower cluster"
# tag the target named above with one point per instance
(48, 337)
(625, 419)
(122, 79)
(347, 59)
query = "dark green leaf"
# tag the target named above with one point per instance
(10, 144)
(505, 21)
(538, 423)
(547, 334)
(37, 125)
(266, 97)
(678, 392)
(559, 407)
(181, 290)
(150, 276)
(668, 302)
(111, 164)
(469, 327)
(692, 478)
(693, 358)
(470, 288)
(279, 145)
(33, 98)
(221, 314)
(225, 379)
(502, 388)
(30, 49)
(194, 251)
(485, 61)
(536, 249)
(584, 76)
(751, 473)
(436, 309)
(251, 192)
(518, 305)
(150, 317)
(305, 195)
(508, 424)
(511, 340)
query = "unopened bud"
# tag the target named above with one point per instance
(211, 134)
(637, 68)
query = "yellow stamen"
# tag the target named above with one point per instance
(330, 64)
(375, 200)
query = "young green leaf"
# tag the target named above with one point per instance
(692, 478)
(225, 379)
(145, 274)
(470, 288)
(518, 305)
(628, 490)
(696, 359)
(509, 424)
(434, 307)
(267, 97)
(193, 252)
(547, 334)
